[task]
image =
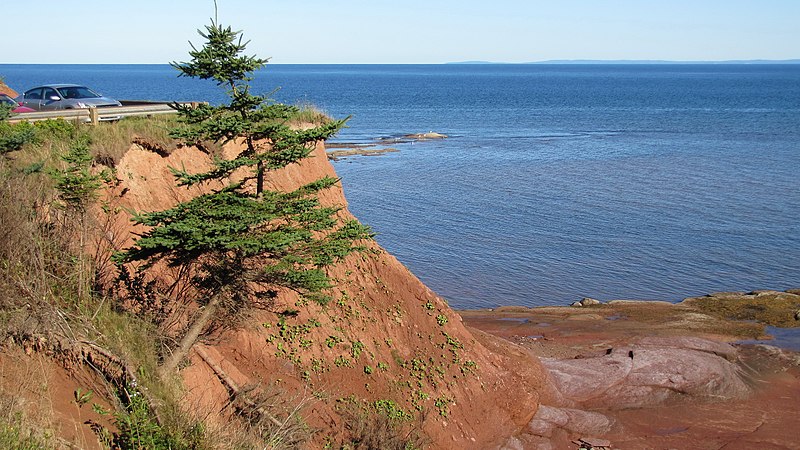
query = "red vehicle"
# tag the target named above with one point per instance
(15, 107)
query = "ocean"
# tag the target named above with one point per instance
(557, 181)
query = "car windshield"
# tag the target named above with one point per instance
(6, 100)
(77, 92)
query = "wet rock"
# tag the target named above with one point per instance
(793, 291)
(724, 294)
(548, 419)
(424, 136)
(638, 302)
(721, 349)
(649, 373)
(586, 301)
(763, 292)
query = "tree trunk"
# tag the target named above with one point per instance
(171, 363)
(260, 178)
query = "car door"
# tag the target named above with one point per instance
(32, 98)
(50, 99)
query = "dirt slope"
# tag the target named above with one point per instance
(386, 336)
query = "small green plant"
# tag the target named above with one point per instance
(138, 428)
(356, 349)
(441, 319)
(442, 403)
(469, 366)
(368, 370)
(392, 410)
(317, 365)
(331, 341)
(342, 361)
(81, 397)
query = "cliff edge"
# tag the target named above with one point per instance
(385, 342)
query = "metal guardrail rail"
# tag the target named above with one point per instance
(130, 108)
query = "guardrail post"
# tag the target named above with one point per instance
(94, 116)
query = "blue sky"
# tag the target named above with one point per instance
(410, 31)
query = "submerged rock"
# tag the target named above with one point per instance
(428, 135)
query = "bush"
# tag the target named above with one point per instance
(13, 137)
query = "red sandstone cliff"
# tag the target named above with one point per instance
(386, 336)
(4, 89)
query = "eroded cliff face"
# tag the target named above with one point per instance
(385, 336)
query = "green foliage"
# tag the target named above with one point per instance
(5, 111)
(246, 241)
(391, 410)
(55, 129)
(356, 349)
(263, 124)
(138, 428)
(381, 424)
(81, 397)
(13, 137)
(13, 436)
(77, 185)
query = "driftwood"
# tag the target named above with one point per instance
(234, 391)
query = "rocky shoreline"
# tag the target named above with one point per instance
(642, 374)
(340, 150)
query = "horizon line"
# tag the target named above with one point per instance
(469, 62)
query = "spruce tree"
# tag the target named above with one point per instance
(245, 241)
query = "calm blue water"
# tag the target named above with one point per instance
(649, 182)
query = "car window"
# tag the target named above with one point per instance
(7, 100)
(77, 92)
(48, 92)
(34, 94)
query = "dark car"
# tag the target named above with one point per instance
(64, 96)
(15, 107)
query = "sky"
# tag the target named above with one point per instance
(403, 32)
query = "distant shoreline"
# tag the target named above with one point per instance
(643, 62)
(631, 62)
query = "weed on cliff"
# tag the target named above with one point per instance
(381, 424)
(19, 430)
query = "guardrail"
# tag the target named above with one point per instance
(93, 116)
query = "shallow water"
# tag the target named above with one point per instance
(786, 338)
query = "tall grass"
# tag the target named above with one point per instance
(42, 292)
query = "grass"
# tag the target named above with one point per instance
(109, 141)
(310, 114)
(40, 281)
(20, 430)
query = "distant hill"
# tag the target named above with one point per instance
(641, 61)
(658, 61)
